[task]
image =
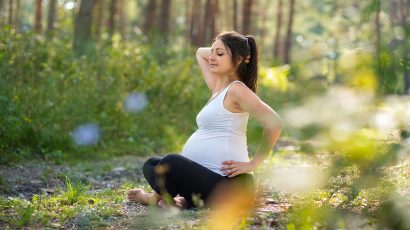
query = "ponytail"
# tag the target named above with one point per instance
(250, 74)
(245, 51)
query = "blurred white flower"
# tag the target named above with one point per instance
(87, 134)
(341, 131)
(298, 178)
(337, 105)
(404, 152)
(385, 120)
(70, 5)
(135, 102)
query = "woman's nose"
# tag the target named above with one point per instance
(211, 56)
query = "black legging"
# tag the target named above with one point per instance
(174, 174)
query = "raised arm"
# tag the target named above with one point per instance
(202, 56)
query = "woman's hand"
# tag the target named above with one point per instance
(234, 168)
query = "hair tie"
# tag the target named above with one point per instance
(247, 42)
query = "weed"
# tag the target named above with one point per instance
(4, 185)
(74, 193)
(25, 213)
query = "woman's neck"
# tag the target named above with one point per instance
(222, 82)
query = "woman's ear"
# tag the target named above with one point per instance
(240, 59)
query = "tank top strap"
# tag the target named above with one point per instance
(226, 89)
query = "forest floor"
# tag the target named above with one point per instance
(34, 195)
(37, 194)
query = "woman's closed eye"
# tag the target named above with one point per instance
(220, 54)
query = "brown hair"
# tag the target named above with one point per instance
(243, 47)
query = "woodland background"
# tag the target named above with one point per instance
(89, 87)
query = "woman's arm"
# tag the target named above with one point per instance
(202, 56)
(272, 125)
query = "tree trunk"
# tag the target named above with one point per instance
(235, 15)
(82, 28)
(38, 16)
(215, 14)
(404, 6)
(246, 16)
(150, 16)
(111, 19)
(209, 20)
(99, 7)
(197, 29)
(51, 17)
(288, 43)
(122, 18)
(10, 12)
(1, 12)
(188, 18)
(17, 17)
(262, 29)
(164, 18)
(377, 25)
(276, 45)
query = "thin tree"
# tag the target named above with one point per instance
(262, 29)
(17, 17)
(276, 44)
(111, 19)
(164, 18)
(99, 8)
(51, 16)
(377, 25)
(235, 15)
(38, 16)
(187, 20)
(215, 13)
(150, 16)
(288, 41)
(122, 18)
(404, 14)
(209, 19)
(246, 16)
(82, 28)
(197, 29)
(10, 12)
(1, 12)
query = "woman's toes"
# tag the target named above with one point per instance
(161, 203)
(180, 202)
(136, 195)
(134, 191)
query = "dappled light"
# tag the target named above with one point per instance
(89, 90)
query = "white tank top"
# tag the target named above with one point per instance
(221, 135)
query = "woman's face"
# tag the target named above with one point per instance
(220, 62)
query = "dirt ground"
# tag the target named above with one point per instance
(30, 178)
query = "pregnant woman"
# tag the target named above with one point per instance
(217, 152)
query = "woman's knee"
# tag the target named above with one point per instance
(150, 164)
(172, 160)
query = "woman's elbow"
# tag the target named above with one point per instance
(277, 122)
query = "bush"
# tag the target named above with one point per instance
(47, 92)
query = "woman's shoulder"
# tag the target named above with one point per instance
(239, 88)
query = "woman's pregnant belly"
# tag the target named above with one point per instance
(210, 149)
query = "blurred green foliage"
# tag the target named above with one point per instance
(46, 92)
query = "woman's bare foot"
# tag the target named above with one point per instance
(179, 202)
(142, 197)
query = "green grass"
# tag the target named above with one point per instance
(73, 193)
(4, 186)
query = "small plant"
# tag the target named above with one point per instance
(25, 213)
(3, 184)
(74, 193)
